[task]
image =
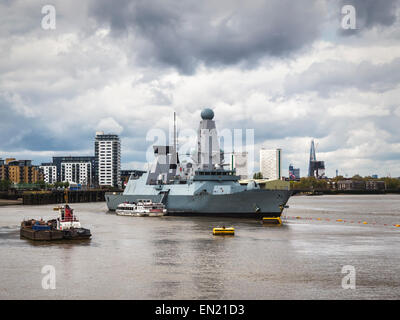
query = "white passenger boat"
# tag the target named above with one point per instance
(142, 208)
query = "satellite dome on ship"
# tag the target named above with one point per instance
(207, 114)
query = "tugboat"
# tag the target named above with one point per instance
(65, 227)
(143, 208)
(69, 224)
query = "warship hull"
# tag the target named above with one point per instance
(253, 203)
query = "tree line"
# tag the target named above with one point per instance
(322, 184)
(39, 185)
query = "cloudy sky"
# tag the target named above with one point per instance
(287, 69)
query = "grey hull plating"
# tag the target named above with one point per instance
(249, 203)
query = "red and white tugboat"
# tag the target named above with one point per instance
(70, 225)
(65, 227)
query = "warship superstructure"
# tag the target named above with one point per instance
(201, 186)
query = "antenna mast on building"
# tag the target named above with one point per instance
(175, 130)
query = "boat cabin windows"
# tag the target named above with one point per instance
(145, 201)
(215, 173)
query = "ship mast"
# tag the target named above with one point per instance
(175, 131)
(66, 195)
(175, 151)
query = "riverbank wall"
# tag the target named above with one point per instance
(54, 197)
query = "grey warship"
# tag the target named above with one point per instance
(202, 187)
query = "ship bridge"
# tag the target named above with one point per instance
(215, 175)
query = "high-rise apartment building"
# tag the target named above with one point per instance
(49, 172)
(271, 163)
(108, 159)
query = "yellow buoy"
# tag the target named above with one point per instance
(397, 225)
(365, 222)
(319, 219)
(274, 220)
(298, 217)
(224, 231)
(339, 220)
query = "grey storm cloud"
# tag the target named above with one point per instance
(20, 131)
(330, 76)
(294, 128)
(184, 34)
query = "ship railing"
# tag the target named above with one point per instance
(70, 219)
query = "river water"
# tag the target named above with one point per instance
(179, 258)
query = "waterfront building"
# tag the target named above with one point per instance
(331, 184)
(351, 185)
(49, 172)
(3, 170)
(294, 173)
(21, 171)
(75, 169)
(271, 163)
(76, 172)
(375, 185)
(238, 162)
(108, 159)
